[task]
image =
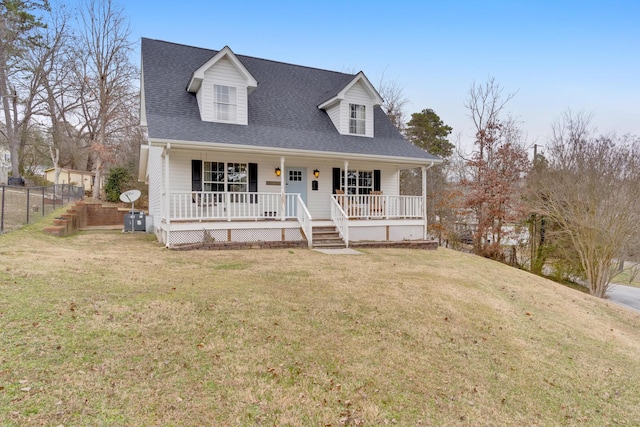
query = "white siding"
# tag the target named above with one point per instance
(203, 110)
(357, 94)
(223, 73)
(334, 113)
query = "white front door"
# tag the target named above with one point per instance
(296, 183)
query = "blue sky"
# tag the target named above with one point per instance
(583, 55)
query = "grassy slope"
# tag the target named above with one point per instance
(113, 329)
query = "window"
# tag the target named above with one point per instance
(357, 119)
(237, 177)
(225, 103)
(221, 177)
(295, 175)
(234, 177)
(213, 176)
(358, 182)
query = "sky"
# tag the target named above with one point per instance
(553, 55)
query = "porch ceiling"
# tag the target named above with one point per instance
(407, 162)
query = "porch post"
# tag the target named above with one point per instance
(424, 200)
(344, 176)
(283, 190)
(167, 192)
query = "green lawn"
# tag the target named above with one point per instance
(112, 329)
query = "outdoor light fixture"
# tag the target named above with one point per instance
(278, 171)
(316, 173)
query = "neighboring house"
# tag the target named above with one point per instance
(243, 149)
(71, 176)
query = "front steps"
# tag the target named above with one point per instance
(327, 237)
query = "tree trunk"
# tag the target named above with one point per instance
(98, 177)
(9, 122)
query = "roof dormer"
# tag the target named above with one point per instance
(222, 86)
(351, 109)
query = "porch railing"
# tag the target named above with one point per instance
(340, 219)
(368, 206)
(205, 205)
(304, 218)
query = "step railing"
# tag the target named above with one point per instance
(341, 220)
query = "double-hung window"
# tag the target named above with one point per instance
(225, 104)
(357, 119)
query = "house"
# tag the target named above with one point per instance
(242, 149)
(71, 176)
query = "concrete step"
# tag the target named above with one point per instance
(339, 245)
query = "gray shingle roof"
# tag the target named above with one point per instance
(283, 109)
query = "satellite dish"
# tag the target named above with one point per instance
(130, 196)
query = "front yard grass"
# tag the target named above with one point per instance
(113, 329)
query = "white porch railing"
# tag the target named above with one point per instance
(367, 206)
(304, 218)
(340, 219)
(205, 205)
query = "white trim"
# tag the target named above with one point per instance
(360, 77)
(143, 172)
(198, 75)
(291, 152)
(143, 104)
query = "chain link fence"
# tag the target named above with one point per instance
(23, 205)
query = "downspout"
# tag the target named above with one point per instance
(424, 198)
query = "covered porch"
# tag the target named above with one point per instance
(232, 196)
(228, 216)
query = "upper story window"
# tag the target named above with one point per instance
(225, 103)
(357, 119)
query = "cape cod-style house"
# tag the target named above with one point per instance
(242, 149)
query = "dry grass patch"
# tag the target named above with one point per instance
(113, 329)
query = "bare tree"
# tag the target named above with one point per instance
(590, 189)
(497, 167)
(18, 33)
(394, 102)
(105, 77)
(50, 64)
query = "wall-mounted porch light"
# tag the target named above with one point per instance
(316, 173)
(278, 171)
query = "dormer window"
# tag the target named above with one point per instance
(351, 109)
(357, 119)
(225, 103)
